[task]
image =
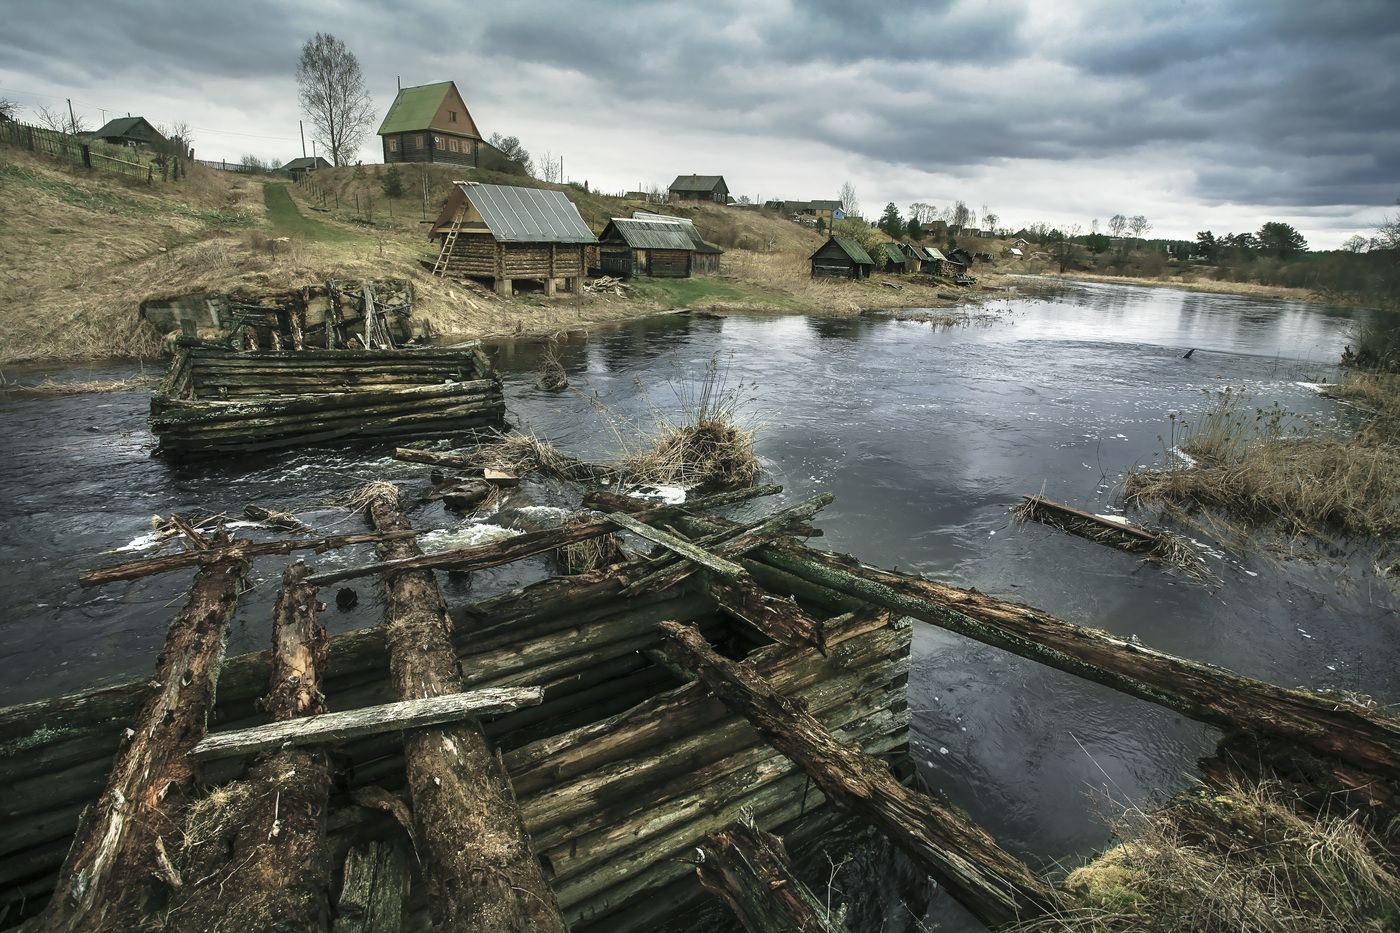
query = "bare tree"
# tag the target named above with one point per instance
(849, 204)
(961, 214)
(989, 220)
(1064, 250)
(1117, 225)
(922, 212)
(549, 168)
(334, 96)
(8, 109)
(1355, 244)
(60, 121)
(1138, 225)
(510, 148)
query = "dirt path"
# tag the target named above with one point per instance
(288, 220)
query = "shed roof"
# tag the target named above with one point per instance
(893, 253)
(825, 205)
(852, 249)
(934, 254)
(685, 223)
(918, 252)
(527, 215)
(306, 162)
(697, 183)
(124, 126)
(414, 108)
(650, 234)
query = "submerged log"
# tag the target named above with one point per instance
(994, 885)
(257, 850)
(481, 872)
(1203, 692)
(117, 871)
(750, 870)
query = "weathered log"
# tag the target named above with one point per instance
(481, 872)
(1204, 692)
(349, 724)
(238, 551)
(680, 546)
(750, 870)
(509, 550)
(117, 870)
(256, 850)
(780, 619)
(375, 885)
(994, 885)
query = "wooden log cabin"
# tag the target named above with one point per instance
(430, 123)
(699, 188)
(705, 259)
(645, 247)
(505, 233)
(841, 258)
(895, 260)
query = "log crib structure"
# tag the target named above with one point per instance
(591, 752)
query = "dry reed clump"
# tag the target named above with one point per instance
(1248, 466)
(521, 454)
(362, 497)
(1237, 859)
(50, 387)
(553, 378)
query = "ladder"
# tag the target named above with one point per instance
(449, 241)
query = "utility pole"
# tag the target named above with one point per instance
(72, 120)
(302, 130)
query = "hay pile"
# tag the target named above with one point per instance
(710, 453)
(1237, 860)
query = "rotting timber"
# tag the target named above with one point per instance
(644, 736)
(215, 400)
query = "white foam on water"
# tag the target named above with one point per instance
(446, 539)
(669, 495)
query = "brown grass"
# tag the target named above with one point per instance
(1238, 860)
(1194, 280)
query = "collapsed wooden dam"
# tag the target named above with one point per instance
(552, 758)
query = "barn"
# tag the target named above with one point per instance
(842, 258)
(506, 233)
(644, 247)
(705, 261)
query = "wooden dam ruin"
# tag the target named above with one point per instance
(591, 752)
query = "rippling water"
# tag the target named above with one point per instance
(926, 437)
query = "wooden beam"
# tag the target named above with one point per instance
(371, 720)
(679, 546)
(993, 884)
(749, 868)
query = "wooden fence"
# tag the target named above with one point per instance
(63, 146)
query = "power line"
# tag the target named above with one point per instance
(87, 103)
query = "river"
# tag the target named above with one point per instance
(925, 435)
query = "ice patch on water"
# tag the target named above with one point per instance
(667, 494)
(447, 539)
(1319, 387)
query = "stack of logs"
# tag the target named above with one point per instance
(216, 401)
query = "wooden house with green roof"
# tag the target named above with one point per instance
(430, 123)
(841, 258)
(894, 259)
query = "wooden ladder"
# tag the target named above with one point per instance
(449, 241)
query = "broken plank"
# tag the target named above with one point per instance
(680, 546)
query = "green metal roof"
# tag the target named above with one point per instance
(414, 108)
(893, 253)
(704, 183)
(853, 250)
(686, 224)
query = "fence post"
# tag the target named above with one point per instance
(29, 133)
(148, 175)
(87, 155)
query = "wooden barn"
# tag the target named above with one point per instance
(895, 260)
(917, 259)
(430, 123)
(700, 188)
(705, 260)
(841, 258)
(645, 247)
(130, 131)
(506, 233)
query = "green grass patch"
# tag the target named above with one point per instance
(687, 293)
(287, 220)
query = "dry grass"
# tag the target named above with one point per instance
(553, 378)
(1237, 860)
(361, 497)
(1193, 280)
(50, 387)
(1249, 467)
(1169, 550)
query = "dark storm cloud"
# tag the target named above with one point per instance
(1269, 102)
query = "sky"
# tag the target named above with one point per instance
(1195, 113)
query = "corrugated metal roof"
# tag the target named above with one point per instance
(933, 253)
(853, 249)
(893, 253)
(918, 252)
(528, 215)
(648, 234)
(697, 182)
(686, 224)
(414, 108)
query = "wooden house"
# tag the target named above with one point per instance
(895, 260)
(917, 258)
(937, 229)
(644, 247)
(506, 233)
(430, 123)
(130, 131)
(300, 168)
(961, 257)
(842, 258)
(705, 258)
(700, 188)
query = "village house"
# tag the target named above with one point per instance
(895, 260)
(937, 229)
(129, 131)
(705, 258)
(843, 258)
(643, 247)
(699, 188)
(1015, 252)
(430, 123)
(300, 168)
(505, 233)
(917, 257)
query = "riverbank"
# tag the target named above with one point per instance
(1191, 283)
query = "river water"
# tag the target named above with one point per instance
(925, 435)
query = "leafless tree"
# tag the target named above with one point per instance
(922, 212)
(1065, 249)
(1388, 235)
(60, 121)
(989, 220)
(549, 168)
(334, 96)
(1117, 225)
(1355, 244)
(8, 109)
(961, 214)
(849, 204)
(1138, 225)
(1094, 226)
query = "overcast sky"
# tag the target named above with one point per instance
(1198, 114)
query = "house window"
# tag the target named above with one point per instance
(452, 116)
(393, 144)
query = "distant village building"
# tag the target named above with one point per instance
(1015, 252)
(699, 188)
(129, 131)
(300, 168)
(705, 259)
(645, 247)
(938, 229)
(505, 233)
(430, 123)
(937, 263)
(799, 210)
(917, 257)
(841, 257)
(895, 260)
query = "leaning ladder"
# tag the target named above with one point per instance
(449, 241)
